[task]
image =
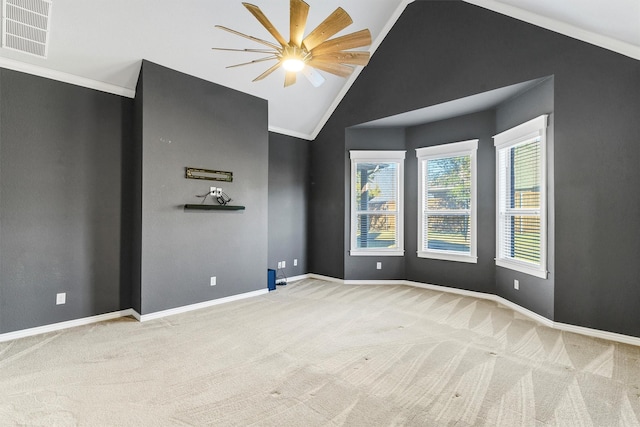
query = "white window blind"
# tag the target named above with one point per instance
(376, 202)
(521, 198)
(447, 201)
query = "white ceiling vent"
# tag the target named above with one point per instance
(25, 26)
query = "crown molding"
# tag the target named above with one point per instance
(618, 46)
(36, 70)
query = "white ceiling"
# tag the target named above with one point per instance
(100, 44)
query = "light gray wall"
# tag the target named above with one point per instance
(364, 267)
(288, 196)
(535, 294)
(60, 201)
(456, 49)
(478, 277)
(188, 122)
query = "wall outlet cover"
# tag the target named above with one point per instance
(61, 298)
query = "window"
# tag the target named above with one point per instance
(447, 201)
(377, 179)
(521, 197)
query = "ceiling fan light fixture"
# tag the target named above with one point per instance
(317, 50)
(293, 64)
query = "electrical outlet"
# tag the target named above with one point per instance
(279, 264)
(219, 192)
(379, 265)
(213, 281)
(212, 191)
(61, 298)
(516, 285)
(284, 264)
(295, 262)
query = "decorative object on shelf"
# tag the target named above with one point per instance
(211, 175)
(202, 207)
(219, 196)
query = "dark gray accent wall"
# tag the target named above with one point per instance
(60, 201)
(189, 122)
(365, 267)
(440, 51)
(535, 294)
(478, 277)
(288, 196)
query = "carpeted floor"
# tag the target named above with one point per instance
(320, 354)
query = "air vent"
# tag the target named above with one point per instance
(25, 26)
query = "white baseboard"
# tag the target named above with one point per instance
(594, 333)
(374, 282)
(197, 306)
(297, 278)
(65, 325)
(124, 313)
(325, 278)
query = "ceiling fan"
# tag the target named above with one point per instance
(315, 51)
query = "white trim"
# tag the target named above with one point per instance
(290, 132)
(447, 256)
(366, 155)
(569, 30)
(124, 313)
(60, 76)
(452, 149)
(326, 278)
(351, 80)
(534, 128)
(377, 156)
(297, 278)
(376, 252)
(449, 149)
(581, 330)
(373, 282)
(205, 304)
(65, 325)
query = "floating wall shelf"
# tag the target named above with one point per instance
(214, 207)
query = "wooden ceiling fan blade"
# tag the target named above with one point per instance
(350, 41)
(332, 67)
(336, 22)
(289, 78)
(297, 21)
(265, 51)
(246, 36)
(261, 17)
(345, 57)
(266, 73)
(255, 61)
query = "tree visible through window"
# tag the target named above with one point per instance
(447, 201)
(376, 203)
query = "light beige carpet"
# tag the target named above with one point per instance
(320, 354)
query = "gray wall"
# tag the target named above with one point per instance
(535, 294)
(288, 196)
(455, 50)
(189, 122)
(478, 277)
(60, 201)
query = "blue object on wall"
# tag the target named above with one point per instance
(271, 279)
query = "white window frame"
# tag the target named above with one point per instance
(358, 156)
(454, 149)
(532, 129)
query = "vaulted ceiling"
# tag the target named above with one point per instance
(100, 44)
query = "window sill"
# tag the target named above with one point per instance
(522, 268)
(376, 252)
(445, 256)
